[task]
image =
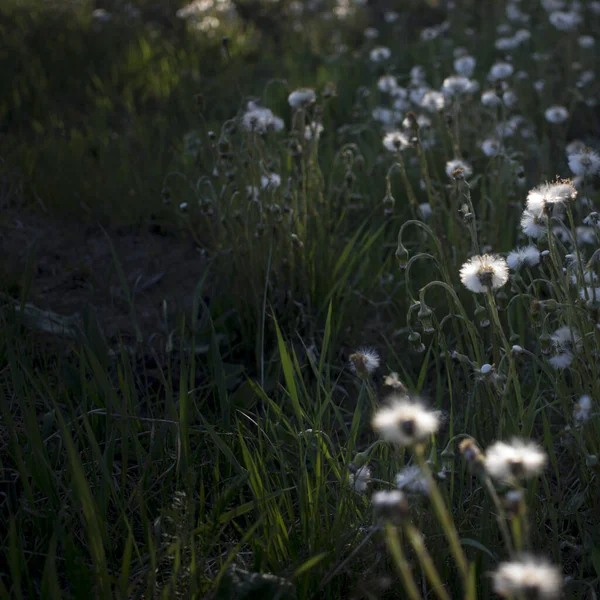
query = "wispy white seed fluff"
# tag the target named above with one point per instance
(514, 461)
(395, 141)
(585, 162)
(465, 65)
(411, 480)
(302, 97)
(556, 114)
(457, 163)
(528, 577)
(271, 181)
(527, 256)
(387, 83)
(364, 361)
(534, 225)
(582, 410)
(542, 198)
(405, 422)
(500, 70)
(359, 481)
(380, 54)
(481, 274)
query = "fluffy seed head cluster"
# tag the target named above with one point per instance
(405, 422)
(543, 198)
(364, 361)
(359, 481)
(564, 341)
(582, 410)
(528, 256)
(302, 97)
(585, 162)
(514, 461)
(556, 115)
(412, 481)
(380, 54)
(485, 273)
(452, 166)
(260, 119)
(528, 577)
(395, 141)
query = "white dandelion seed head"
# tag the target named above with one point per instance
(457, 163)
(481, 274)
(302, 97)
(529, 256)
(433, 101)
(387, 83)
(456, 85)
(395, 141)
(465, 65)
(547, 195)
(586, 41)
(566, 337)
(359, 480)
(517, 460)
(585, 162)
(491, 147)
(534, 225)
(412, 481)
(380, 54)
(490, 98)
(271, 181)
(565, 20)
(582, 410)
(260, 119)
(417, 75)
(500, 71)
(561, 360)
(556, 114)
(405, 422)
(364, 361)
(528, 577)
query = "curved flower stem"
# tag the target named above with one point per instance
(445, 519)
(511, 361)
(416, 540)
(501, 516)
(395, 548)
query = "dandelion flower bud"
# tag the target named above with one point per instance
(527, 577)
(485, 273)
(425, 316)
(514, 461)
(402, 255)
(405, 422)
(415, 340)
